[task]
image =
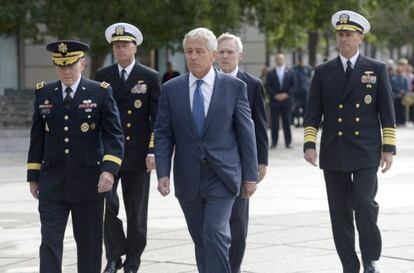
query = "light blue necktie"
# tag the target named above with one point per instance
(198, 107)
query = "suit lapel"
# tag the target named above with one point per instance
(356, 73)
(338, 72)
(218, 85)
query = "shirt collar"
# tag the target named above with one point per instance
(280, 68)
(353, 60)
(74, 86)
(234, 72)
(128, 69)
(208, 78)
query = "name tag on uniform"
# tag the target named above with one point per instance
(139, 88)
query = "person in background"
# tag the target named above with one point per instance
(171, 73)
(399, 85)
(303, 77)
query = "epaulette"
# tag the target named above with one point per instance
(40, 85)
(105, 85)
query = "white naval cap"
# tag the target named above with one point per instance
(123, 32)
(351, 21)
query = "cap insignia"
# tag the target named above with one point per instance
(63, 48)
(119, 30)
(343, 19)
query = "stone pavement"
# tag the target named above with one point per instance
(289, 229)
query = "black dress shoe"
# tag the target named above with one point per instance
(130, 271)
(273, 146)
(112, 266)
(371, 267)
(289, 147)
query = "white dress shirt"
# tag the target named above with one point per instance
(128, 69)
(234, 72)
(206, 88)
(353, 61)
(74, 87)
(280, 72)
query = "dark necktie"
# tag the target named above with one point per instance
(68, 98)
(123, 78)
(198, 107)
(349, 69)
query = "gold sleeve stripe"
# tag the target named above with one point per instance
(310, 134)
(388, 136)
(34, 166)
(112, 158)
(151, 142)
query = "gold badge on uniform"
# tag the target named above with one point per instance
(368, 99)
(84, 127)
(93, 126)
(138, 104)
(46, 127)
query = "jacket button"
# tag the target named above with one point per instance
(356, 133)
(66, 139)
(129, 125)
(339, 120)
(98, 162)
(89, 116)
(128, 138)
(357, 105)
(357, 119)
(129, 112)
(66, 128)
(66, 117)
(66, 151)
(339, 133)
(340, 106)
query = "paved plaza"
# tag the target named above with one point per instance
(289, 229)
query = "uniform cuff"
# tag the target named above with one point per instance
(309, 145)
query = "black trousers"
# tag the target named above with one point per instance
(135, 191)
(350, 192)
(87, 220)
(239, 221)
(281, 110)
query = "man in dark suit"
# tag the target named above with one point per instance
(76, 148)
(230, 49)
(353, 95)
(136, 91)
(205, 117)
(171, 73)
(280, 84)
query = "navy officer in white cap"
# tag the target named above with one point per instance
(352, 94)
(136, 91)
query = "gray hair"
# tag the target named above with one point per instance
(228, 36)
(205, 33)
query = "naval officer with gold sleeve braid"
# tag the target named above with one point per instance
(352, 94)
(76, 149)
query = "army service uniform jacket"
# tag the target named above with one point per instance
(69, 148)
(358, 115)
(137, 101)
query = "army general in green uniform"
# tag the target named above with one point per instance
(352, 94)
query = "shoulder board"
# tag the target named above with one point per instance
(40, 85)
(104, 85)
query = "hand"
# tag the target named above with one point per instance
(310, 156)
(106, 181)
(386, 160)
(150, 161)
(262, 172)
(164, 185)
(248, 188)
(34, 189)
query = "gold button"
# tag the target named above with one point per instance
(357, 105)
(66, 117)
(66, 139)
(129, 125)
(341, 106)
(43, 116)
(357, 119)
(356, 133)
(98, 162)
(66, 128)
(129, 112)
(66, 151)
(340, 133)
(128, 138)
(339, 120)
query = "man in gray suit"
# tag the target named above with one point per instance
(205, 116)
